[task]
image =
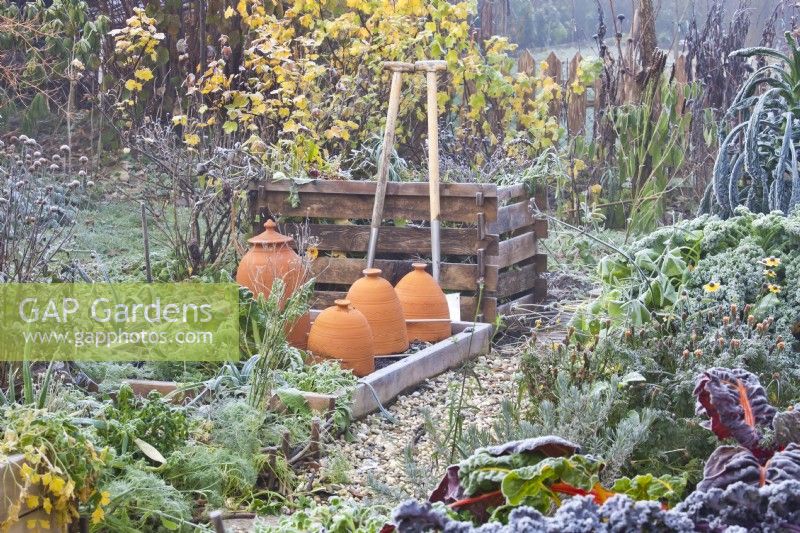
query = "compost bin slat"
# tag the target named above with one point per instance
(515, 281)
(419, 188)
(511, 217)
(509, 192)
(334, 206)
(515, 249)
(407, 240)
(343, 270)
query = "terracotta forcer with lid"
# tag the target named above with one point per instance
(342, 332)
(423, 299)
(376, 299)
(270, 257)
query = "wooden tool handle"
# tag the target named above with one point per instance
(388, 147)
(433, 143)
(383, 164)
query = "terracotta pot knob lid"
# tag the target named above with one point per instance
(343, 303)
(420, 266)
(270, 235)
(372, 272)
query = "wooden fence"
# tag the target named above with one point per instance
(574, 111)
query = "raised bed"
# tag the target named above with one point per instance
(397, 374)
(407, 371)
(488, 234)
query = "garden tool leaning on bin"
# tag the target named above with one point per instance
(431, 69)
(396, 68)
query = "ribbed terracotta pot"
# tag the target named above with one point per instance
(422, 298)
(375, 297)
(271, 257)
(341, 332)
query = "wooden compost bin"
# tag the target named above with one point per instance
(488, 233)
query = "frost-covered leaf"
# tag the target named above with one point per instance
(736, 405)
(149, 451)
(532, 485)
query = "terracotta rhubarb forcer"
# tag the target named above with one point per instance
(375, 297)
(341, 332)
(271, 257)
(422, 298)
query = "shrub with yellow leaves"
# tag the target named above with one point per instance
(61, 470)
(311, 81)
(136, 47)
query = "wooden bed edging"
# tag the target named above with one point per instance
(468, 341)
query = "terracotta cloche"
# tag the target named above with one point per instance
(270, 257)
(342, 332)
(422, 298)
(375, 297)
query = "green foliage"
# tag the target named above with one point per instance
(152, 419)
(757, 161)
(697, 266)
(648, 487)
(237, 426)
(531, 485)
(142, 501)
(211, 473)
(651, 141)
(47, 46)
(335, 516)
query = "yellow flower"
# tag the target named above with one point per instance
(31, 523)
(578, 166)
(98, 515)
(192, 139)
(144, 74)
(312, 252)
(133, 85)
(47, 505)
(712, 286)
(596, 189)
(771, 261)
(774, 289)
(44, 524)
(770, 273)
(229, 12)
(26, 471)
(57, 485)
(105, 498)
(32, 501)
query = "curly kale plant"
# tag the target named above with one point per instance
(578, 515)
(757, 161)
(699, 265)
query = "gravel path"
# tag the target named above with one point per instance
(379, 451)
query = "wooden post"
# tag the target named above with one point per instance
(576, 105)
(554, 71)
(526, 63)
(314, 444)
(681, 80)
(146, 237)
